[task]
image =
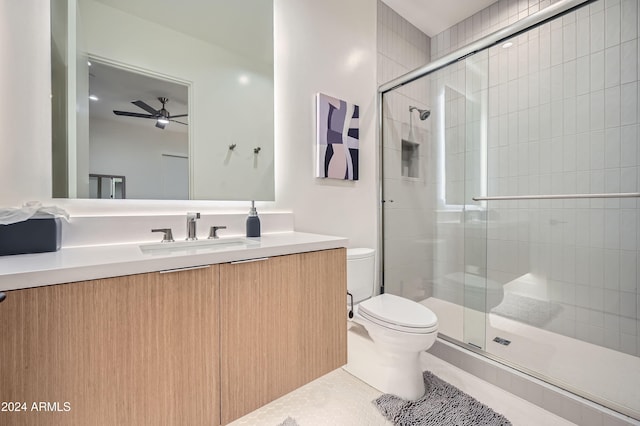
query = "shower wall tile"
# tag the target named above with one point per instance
(597, 31)
(612, 25)
(401, 46)
(410, 244)
(629, 64)
(582, 36)
(629, 103)
(563, 115)
(629, 25)
(612, 66)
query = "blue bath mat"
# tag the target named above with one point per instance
(442, 405)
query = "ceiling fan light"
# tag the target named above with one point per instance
(163, 120)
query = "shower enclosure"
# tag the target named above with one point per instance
(511, 208)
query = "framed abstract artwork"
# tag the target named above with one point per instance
(337, 139)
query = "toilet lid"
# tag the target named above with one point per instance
(398, 313)
(359, 253)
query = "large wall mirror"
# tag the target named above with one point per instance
(175, 98)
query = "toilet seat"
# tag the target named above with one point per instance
(397, 313)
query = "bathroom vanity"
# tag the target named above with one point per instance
(203, 343)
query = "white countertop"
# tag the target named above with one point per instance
(93, 262)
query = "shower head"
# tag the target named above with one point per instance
(424, 113)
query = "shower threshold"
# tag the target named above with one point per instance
(602, 373)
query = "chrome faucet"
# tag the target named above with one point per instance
(191, 226)
(213, 232)
(168, 235)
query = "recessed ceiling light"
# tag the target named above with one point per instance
(93, 97)
(507, 45)
(89, 63)
(243, 79)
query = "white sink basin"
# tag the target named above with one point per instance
(209, 245)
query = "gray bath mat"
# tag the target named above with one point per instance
(289, 422)
(527, 310)
(442, 405)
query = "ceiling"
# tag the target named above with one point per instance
(242, 26)
(434, 16)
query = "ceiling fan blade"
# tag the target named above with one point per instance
(132, 114)
(180, 115)
(159, 125)
(145, 107)
(179, 122)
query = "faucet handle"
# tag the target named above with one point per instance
(168, 235)
(213, 232)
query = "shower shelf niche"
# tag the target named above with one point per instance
(410, 159)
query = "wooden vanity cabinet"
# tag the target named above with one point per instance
(201, 346)
(282, 324)
(133, 350)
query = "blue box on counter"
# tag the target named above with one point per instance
(35, 235)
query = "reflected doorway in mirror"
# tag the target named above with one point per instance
(107, 186)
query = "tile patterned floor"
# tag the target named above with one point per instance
(339, 399)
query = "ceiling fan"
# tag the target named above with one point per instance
(161, 115)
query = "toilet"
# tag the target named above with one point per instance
(387, 333)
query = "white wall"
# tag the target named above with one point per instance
(25, 104)
(135, 152)
(325, 47)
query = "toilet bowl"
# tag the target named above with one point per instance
(386, 354)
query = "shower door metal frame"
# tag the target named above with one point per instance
(539, 18)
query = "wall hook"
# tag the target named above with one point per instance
(256, 150)
(232, 147)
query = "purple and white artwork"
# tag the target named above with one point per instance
(338, 143)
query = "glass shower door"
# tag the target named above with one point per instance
(434, 157)
(563, 129)
(511, 209)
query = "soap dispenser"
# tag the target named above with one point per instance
(253, 222)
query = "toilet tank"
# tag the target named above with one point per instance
(360, 273)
